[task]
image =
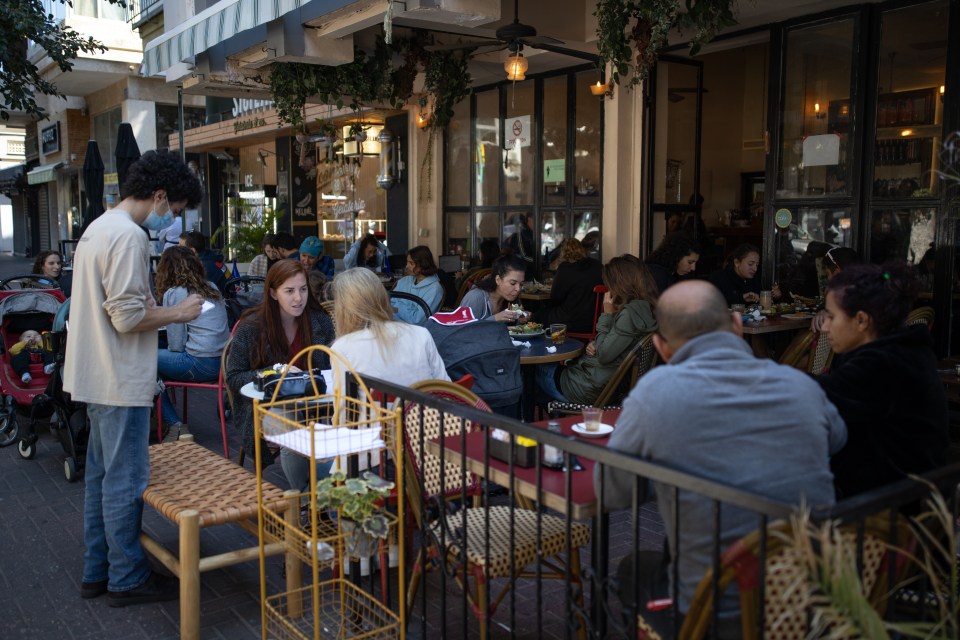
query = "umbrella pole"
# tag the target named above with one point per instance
(183, 152)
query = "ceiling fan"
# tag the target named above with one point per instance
(515, 36)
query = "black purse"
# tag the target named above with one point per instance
(294, 385)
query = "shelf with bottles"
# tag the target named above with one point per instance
(337, 229)
(328, 422)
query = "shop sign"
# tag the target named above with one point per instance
(554, 171)
(50, 139)
(350, 206)
(243, 106)
(111, 178)
(243, 125)
(518, 132)
(783, 218)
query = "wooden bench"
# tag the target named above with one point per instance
(194, 488)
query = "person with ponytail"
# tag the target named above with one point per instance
(883, 381)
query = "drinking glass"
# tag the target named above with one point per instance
(558, 333)
(766, 299)
(592, 417)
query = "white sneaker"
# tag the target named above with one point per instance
(26, 378)
(48, 368)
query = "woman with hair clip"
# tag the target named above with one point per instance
(193, 348)
(883, 381)
(627, 317)
(572, 300)
(492, 297)
(422, 281)
(372, 342)
(287, 321)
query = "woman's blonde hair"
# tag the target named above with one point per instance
(361, 303)
(571, 250)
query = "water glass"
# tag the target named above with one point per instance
(766, 299)
(558, 333)
(592, 416)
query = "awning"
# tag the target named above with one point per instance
(43, 173)
(214, 25)
(10, 176)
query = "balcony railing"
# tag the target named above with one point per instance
(139, 11)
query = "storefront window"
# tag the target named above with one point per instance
(168, 122)
(587, 132)
(801, 246)
(901, 234)
(488, 149)
(818, 120)
(554, 141)
(519, 147)
(457, 157)
(553, 230)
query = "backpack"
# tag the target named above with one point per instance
(484, 350)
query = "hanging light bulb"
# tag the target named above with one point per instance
(516, 66)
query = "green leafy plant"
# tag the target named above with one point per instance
(244, 238)
(357, 499)
(631, 33)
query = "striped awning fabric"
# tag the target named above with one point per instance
(214, 25)
(43, 173)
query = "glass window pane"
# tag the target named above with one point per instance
(458, 234)
(554, 140)
(676, 144)
(817, 118)
(901, 234)
(587, 132)
(111, 11)
(488, 149)
(488, 227)
(586, 229)
(517, 236)
(457, 174)
(518, 149)
(800, 249)
(553, 229)
(909, 111)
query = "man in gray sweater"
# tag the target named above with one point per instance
(717, 412)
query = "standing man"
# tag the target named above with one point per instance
(716, 411)
(112, 366)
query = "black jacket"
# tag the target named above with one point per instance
(890, 395)
(572, 300)
(662, 276)
(732, 286)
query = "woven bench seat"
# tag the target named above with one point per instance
(195, 488)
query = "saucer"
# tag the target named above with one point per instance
(602, 432)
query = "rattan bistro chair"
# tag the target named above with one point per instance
(921, 315)
(469, 523)
(474, 278)
(784, 616)
(639, 359)
(810, 351)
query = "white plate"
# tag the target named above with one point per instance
(602, 432)
(520, 334)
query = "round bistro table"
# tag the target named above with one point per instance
(536, 354)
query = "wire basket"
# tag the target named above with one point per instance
(340, 610)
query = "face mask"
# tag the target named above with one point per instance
(156, 222)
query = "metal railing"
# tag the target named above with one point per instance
(586, 605)
(139, 11)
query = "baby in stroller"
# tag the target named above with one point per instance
(28, 350)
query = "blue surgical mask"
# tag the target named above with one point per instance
(156, 222)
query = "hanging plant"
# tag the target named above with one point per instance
(630, 34)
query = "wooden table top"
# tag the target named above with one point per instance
(583, 500)
(537, 352)
(539, 296)
(778, 323)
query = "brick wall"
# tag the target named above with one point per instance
(77, 135)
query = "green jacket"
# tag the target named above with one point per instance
(584, 380)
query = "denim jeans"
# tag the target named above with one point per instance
(183, 367)
(117, 473)
(297, 469)
(547, 383)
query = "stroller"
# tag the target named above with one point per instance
(21, 310)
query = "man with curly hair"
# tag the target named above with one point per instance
(112, 366)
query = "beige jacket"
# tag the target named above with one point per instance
(106, 361)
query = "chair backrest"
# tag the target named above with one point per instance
(821, 355)
(612, 392)
(798, 352)
(920, 315)
(599, 290)
(475, 277)
(329, 306)
(428, 468)
(784, 616)
(403, 295)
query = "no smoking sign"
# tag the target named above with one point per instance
(518, 132)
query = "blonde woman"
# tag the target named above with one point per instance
(372, 342)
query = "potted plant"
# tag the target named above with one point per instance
(359, 504)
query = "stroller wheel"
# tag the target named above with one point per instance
(70, 469)
(27, 451)
(9, 428)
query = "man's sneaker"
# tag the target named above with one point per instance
(90, 590)
(157, 588)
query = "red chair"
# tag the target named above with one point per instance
(599, 290)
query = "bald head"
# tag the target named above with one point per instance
(690, 309)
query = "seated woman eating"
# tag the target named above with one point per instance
(736, 281)
(421, 280)
(675, 258)
(193, 348)
(492, 297)
(883, 381)
(286, 322)
(372, 342)
(627, 317)
(572, 300)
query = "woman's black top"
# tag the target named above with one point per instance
(732, 286)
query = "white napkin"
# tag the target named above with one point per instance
(517, 343)
(551, 349)
(206, 306)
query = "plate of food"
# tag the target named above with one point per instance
(798, 316)
(526, 330)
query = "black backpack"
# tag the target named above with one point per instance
(484, 350)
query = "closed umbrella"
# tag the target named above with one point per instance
(93, 182)
(127, 151)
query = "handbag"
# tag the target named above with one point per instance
(294, 385)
